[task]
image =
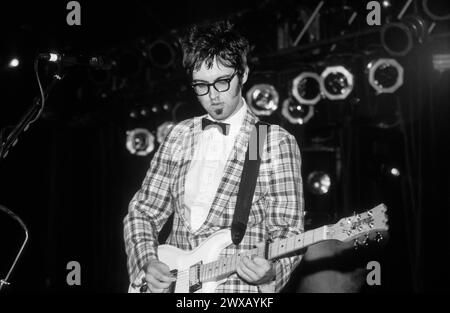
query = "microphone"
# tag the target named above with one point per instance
(96, 61)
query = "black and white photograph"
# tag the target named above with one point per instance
(217, 150)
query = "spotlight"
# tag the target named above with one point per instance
(306, 88)
(144, 112)
(295, 112)
(140, 141)
(386, 3)
(336, 82)
(161, 54)
(14, 63)
(394, 172)
(441, 62)
(398, 38)
(318, 182)
(263, 99)
(385, 75)
(436, 10)
(163, 130)
(134, 114)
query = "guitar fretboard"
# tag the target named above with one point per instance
(227, 265)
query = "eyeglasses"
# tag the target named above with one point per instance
(220, 85)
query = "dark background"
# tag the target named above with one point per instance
(70, 176)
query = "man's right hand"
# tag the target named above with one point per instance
(158, 276)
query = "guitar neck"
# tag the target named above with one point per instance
(226, 266)
(291, 244)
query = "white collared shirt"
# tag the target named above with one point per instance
(207, 167)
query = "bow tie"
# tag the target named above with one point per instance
(223, 126)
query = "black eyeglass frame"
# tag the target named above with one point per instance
(208, 85)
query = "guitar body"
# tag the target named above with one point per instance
(181, 261)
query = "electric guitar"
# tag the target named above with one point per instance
(201, 270)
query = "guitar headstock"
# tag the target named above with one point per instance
(363, 227)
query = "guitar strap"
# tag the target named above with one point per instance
(248, 181)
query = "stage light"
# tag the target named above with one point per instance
(306, 88)
(295, 112)
(336, 82)
(385, 75)
(144, 112)
(437, 10)
(318, 182)
(161, 53)
(386, 3)
(441, 62)
(398, 38)
(14, 63)
(140, 141)
(134, 114)
(394, 172)
(263, 99)
(163, 130)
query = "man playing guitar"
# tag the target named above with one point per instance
(196, 172)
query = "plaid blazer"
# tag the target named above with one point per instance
(276, 212)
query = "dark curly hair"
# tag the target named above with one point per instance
(203, 43)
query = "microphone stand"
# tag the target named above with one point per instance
(29, 117)
(32, 113)
(4, 282)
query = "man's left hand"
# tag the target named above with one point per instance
(256, 271)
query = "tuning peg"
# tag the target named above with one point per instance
(356, 244)
(370, 213)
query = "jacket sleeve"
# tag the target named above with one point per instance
(149, 209)
(285, 203)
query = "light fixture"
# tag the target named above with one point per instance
(14, 63)
(263, 99)
(386, 3)
(140, 141)
(318, 182)
(163, 130)
(394, 172)
(441, 62)
(437, 10)
(295, 112)
(306, 88)
(161, 53)
(337, 82)
(398, 38)
(385, 75)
